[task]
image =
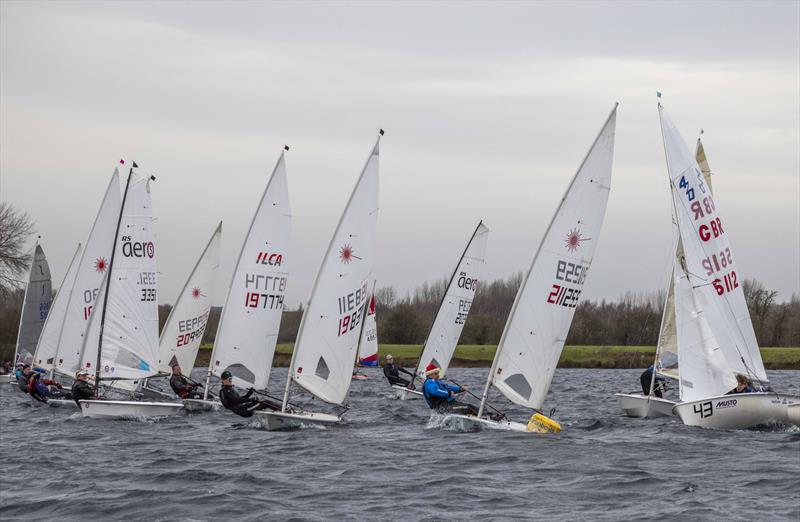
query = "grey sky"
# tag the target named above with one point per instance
(488, 110)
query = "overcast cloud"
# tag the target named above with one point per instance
(488, 108)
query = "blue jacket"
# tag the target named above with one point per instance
(437, 392)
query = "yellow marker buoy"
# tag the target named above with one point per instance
(542, 424)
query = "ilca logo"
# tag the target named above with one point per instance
(100, 265)
(574, 240)
(197, 293)
(346, 254)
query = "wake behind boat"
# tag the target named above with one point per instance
(542, 313)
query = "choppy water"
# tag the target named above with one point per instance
(385, 464)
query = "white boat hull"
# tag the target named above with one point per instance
(103, 409)
(472, 423)
(642, 406)
(404, 394)
(197, 405)
(277, 420)
(736, 412)
(7, 379)
(793, 414)
(62, 403)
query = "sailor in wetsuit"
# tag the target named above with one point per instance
(23, 376)
(392, 373)
(39, 388)
(646, 378)
(81, 389)
(242, 405)
(181, 385)
(742, 385)
(440, 396)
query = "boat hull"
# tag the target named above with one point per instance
(793, 414)
(643, 406)
(198, 405)
(103, 409)
(404, 394)
(7, 379)
(68, 404)
(736, 412)
(277, 420)
(472, 423)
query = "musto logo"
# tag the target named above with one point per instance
(132, 248)
(727, 403)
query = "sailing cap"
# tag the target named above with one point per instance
(82, 372)
(226, 375)
(20, 363)
(389, 357)
(431, 369)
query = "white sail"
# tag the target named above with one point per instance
(667, 347)
(128, 322)
(542, 313)
(35, 307)
(91, 269)
(327, 340)
(368, 349)
(183, 332)
(456, 303)
(704, 371)
(47, 347)
(710, 261)
(251, 317)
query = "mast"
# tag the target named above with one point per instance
(233, 275)
(108, 283)
(444, 296)
(533, 263)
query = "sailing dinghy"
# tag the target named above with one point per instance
(35, 307)
(183, 331)
(368, 346)
(47, 348)
(121, 342)
(541, 315)
(440, 345)
(251, 316)
(714, 329)
(666, 361)
(327, 341)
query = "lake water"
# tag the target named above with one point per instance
(386, 464)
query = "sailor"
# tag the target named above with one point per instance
(392, 373)
(242, 405)
(23, 377)
(40, 388)
(18, 370)
(742, 385)
(81, 389)
(647, 377)
(181, 385)
(7, 368)
(440, 396)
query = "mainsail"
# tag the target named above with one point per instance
(456, 303)
(123, 336)
(186, 324)
(50, 338)
(91, 269)
(35, 307)
(251, 317)
(327, 341)
(542, 312)
(710, 265)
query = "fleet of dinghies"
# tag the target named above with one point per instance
(104, 317)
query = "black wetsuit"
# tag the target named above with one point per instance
(392, 373)
(22, 381)
(243, 405)
(183, 388)
(82, 390)
(647, 377)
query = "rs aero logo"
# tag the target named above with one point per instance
(132, 248)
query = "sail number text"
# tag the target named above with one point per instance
(566, 295)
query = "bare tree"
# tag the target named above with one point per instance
(15, 227)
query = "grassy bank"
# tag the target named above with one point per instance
(481, 356)
(572, 356)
